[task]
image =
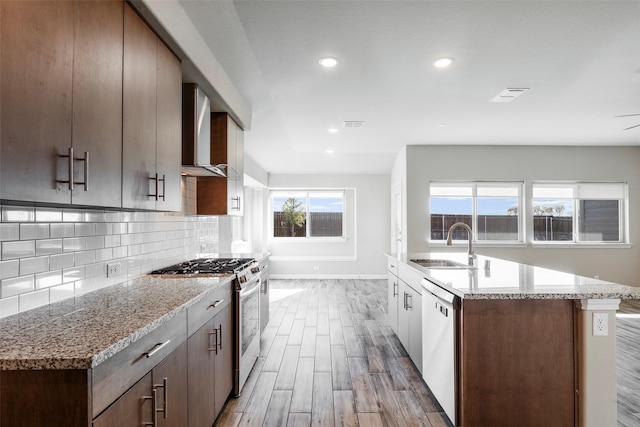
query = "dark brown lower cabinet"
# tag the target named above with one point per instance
(210, 375)
(134, 408)
(160, 397)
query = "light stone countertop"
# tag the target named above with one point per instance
(82, 332)
(512, 280)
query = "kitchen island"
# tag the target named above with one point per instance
(525, 349)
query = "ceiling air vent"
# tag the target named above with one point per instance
(509, 94)
(352, 124)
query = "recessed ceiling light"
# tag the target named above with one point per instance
(443, 62)
(332, 130)
(328, 61)
(330, 151)
(442, 125)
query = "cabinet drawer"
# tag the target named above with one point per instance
(210, 305)
(392, 266)
(113, 377)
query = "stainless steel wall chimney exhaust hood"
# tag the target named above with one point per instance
(196, 133)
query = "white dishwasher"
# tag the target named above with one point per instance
(439, 313)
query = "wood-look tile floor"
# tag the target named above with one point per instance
(328, 357)
(628, 364)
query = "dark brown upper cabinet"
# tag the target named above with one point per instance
(224, 196)
(61, 98)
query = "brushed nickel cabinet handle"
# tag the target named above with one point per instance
(70, 157)
(154, 408)
(156, 348)
(216, 303)
(395, 289)
(156, 184)
(219, 338)
(213, 347)
(164, 394)
(164, 187)
(86, 171)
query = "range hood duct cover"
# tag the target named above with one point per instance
(196, 133)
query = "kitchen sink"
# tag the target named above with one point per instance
(439, 263)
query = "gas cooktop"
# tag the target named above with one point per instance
(207, 266)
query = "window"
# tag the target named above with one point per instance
(492, 210)
(579, 212)
(308, 214)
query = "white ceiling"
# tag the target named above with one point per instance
(580, 59)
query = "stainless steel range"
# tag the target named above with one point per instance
(246, 305)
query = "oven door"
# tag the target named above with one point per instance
(248, 328)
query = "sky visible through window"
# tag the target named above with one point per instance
(318, 204)
(489, 205)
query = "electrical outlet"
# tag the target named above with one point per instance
(601, 324)
(316, 267)
(113, 269)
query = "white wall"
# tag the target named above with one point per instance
(367, 230)
(528, 163)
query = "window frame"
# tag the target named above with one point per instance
(574, 186)
(518, 185)
(306, 203)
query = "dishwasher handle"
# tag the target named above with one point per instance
(444, 310)
(447, 297)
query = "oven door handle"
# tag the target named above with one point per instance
(251, 287)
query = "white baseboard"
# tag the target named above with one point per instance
(329, 276)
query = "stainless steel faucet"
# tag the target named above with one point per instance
(472, 256)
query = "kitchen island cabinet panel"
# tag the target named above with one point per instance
(535, 363)
(61, 397)
(36, 73)
(139, 113)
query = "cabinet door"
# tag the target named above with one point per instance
(97, 102)
(415, 329)
(201, 379)
(139, 113)
(238, 202)
(134, 408)
(170, 382)
(404, 296)
(223, 322)
(169, 128)
(393, 298)
(36, 47)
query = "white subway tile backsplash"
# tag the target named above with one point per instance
(33, 299)
(16, 286)
(72, 274)
(61, 230)
(85, 229)
(73, 244)
(85, 257)
(57, 293)
(48, 215)
(48, 246)
(9, 232)
(61, 261)
(34, 265)
(8, 306)
(18, 214)
(9, 269)
(22, 249)
(34, 231)
(48, 279)
(48, 254)
(95, 242)
(73, 215)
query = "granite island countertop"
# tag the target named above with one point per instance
(82, 332)
(511, 280)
